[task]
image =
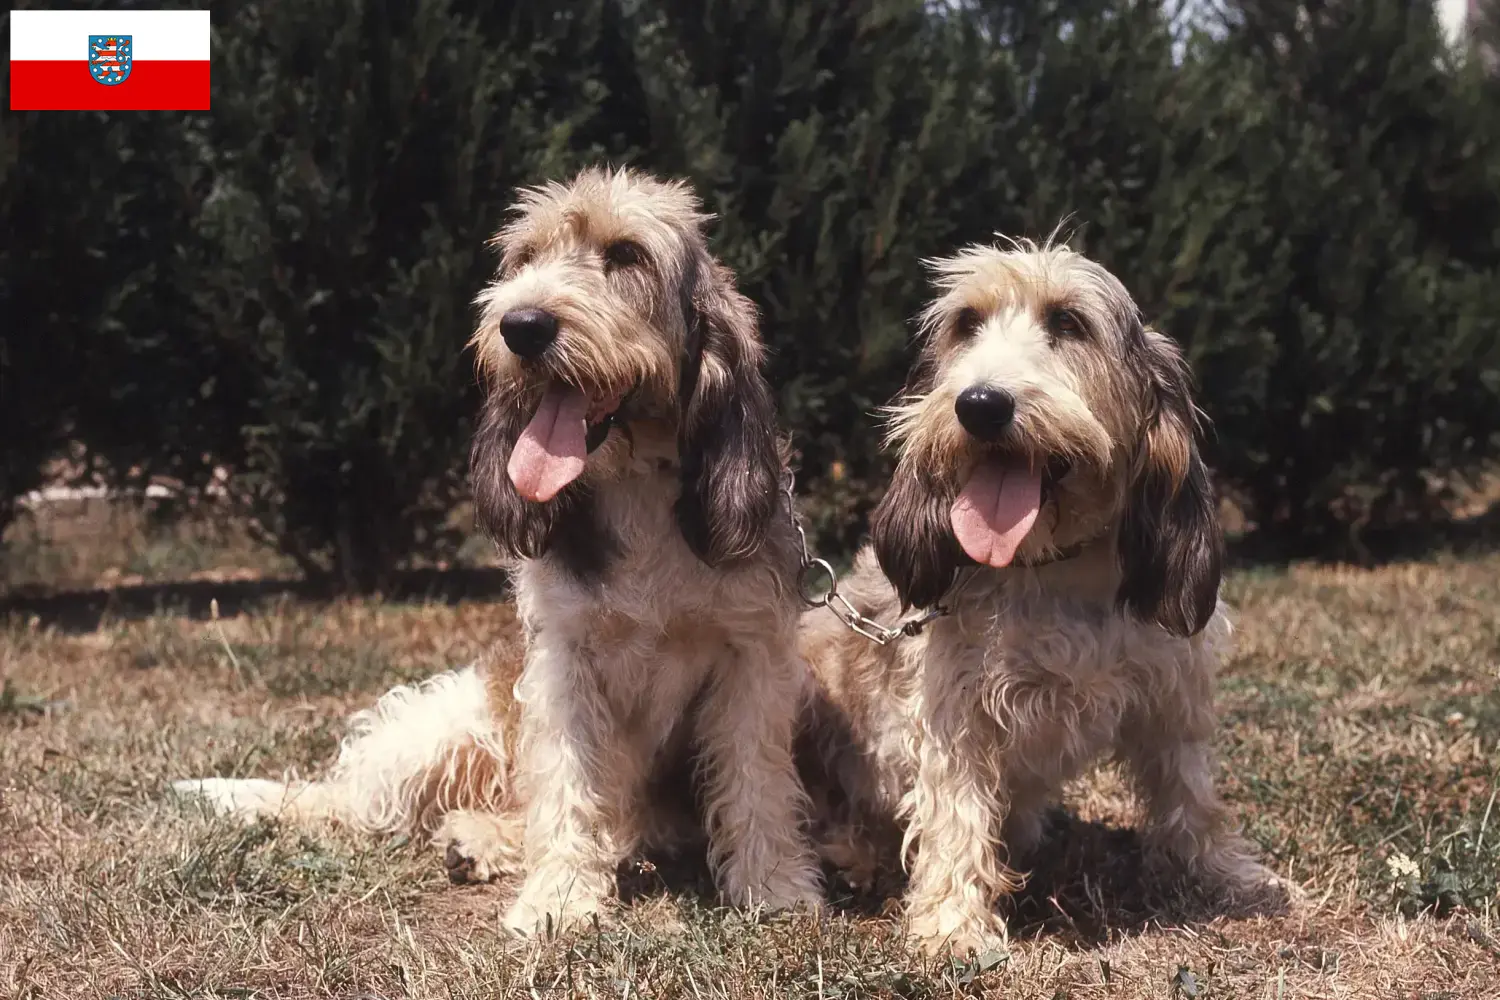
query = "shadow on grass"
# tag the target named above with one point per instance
(1089, 883)
(84, 610)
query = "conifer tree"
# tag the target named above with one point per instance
(1379, 257)
(363, 153)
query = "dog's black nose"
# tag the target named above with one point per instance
(985, 412)
(528, 332)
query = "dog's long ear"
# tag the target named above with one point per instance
(726, 442)
(519, 527)
(913, 537)
(911, 528)
(1170, 547)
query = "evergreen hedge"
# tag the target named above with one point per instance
(1311, 204)
(362, 153)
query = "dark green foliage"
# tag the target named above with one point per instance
(42, 329)
(363, 153)
(1310, 204)
(1377, 248)
(93, 208)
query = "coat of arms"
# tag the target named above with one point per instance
(110, 58)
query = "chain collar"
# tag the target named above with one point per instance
(830, 598)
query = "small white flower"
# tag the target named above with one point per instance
(1402, 867)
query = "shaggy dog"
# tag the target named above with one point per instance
(1050, 500)
(628, 461)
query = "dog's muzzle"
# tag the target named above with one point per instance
(985, 412)
(528, 332)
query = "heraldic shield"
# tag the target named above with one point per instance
(110, 58)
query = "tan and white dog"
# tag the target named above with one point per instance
(1050, 495)
(628, 461)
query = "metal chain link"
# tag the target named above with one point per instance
(830, 598)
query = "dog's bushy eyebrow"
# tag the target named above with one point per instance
(518, 256)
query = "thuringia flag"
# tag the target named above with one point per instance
(123, 60)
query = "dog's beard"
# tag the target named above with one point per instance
(552, 451)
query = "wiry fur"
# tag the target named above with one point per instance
(955, 740)
(656, 591)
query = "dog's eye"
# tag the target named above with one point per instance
(966, 323)
(622, 253)
(1062, 324)
(520, 257)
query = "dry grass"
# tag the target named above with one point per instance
(1360, 747)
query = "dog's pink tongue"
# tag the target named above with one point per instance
(551, 450)
(994, 512)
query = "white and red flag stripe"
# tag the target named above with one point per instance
(121, 60)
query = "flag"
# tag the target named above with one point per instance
(120, 60)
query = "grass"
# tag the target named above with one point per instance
(117, 543)
(107, 543)
(1361, 748)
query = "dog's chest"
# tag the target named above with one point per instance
(651, 574)
(1051, 680)
(654, 620)
(651, 679)
(653, 578)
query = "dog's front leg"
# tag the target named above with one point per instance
(1167, 747)
(755, 801)
(575, 791)
(955, 807)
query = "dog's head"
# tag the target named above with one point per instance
(1041, 415)
(608, 314)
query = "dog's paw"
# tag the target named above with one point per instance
(777, 876)
(795, 885)
(548, 907)
(465, 868)
(1247, 881)
(480, 847)
(782, 899)
(1231, 872)
(949, 928)
(803, 893)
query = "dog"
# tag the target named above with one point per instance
(1050, 503)
(628, 465)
